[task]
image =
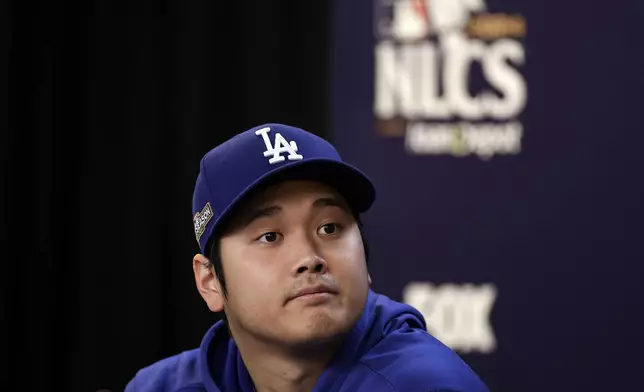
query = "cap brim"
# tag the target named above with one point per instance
(351, 183)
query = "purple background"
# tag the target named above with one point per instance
(557, 228)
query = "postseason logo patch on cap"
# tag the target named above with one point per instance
(201, 219)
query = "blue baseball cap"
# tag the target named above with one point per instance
(264, 155)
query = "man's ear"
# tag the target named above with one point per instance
(207, 283)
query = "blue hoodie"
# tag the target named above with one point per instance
(388, 350)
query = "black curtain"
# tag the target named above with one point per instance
(110, 109)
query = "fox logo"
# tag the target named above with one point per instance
(458, 315)
(418, 19)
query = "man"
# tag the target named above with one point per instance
(276, 214)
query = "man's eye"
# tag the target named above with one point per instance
(329, 228)
(269, 237)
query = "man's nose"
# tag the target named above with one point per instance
(312, 264)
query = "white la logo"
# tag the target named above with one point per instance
(281, 146)
(458, 316)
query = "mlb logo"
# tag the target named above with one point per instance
(402, 20)
(413, 20)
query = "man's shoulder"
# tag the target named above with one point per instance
(172, 374)
(414, 360)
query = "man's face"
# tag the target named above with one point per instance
(293, 237)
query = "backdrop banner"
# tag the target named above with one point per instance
(505, 141)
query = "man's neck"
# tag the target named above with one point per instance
(274, 370)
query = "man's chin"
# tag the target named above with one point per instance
(320, 329)
(312, 345)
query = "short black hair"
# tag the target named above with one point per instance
(214, 255)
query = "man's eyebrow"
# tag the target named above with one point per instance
(331, 201)
(265, 211)
(257, 213)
